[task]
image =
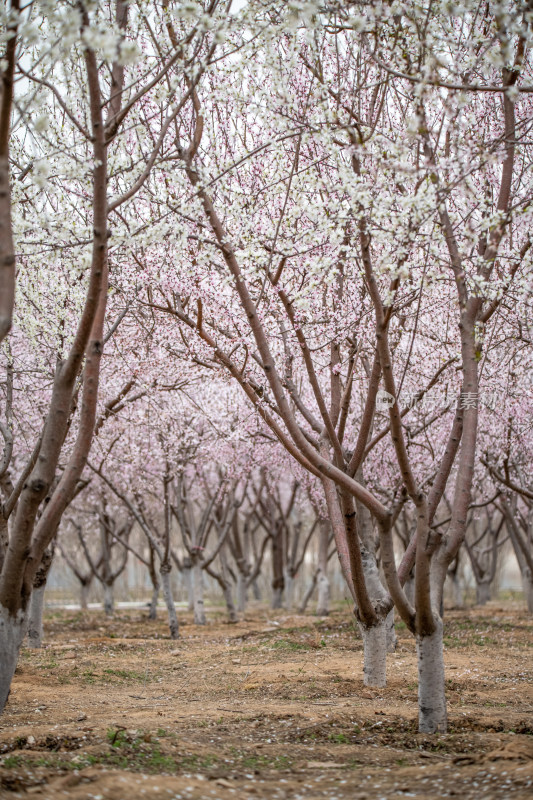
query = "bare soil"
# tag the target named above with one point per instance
(272, 707)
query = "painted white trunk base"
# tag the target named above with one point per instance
(12, 630)
(187, 578)
(289, 592)
(109, 602)
(277, 597)
(375, 654)
(432, 716)
(241, 593)
(482, 593)
(84, 596)
(324, 595)
(198, 595)
(152, 614)
(230, 605)
(458, 593)
(171, 608)
(35, 619)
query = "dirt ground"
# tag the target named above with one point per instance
(272, 707)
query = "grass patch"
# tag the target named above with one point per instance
(126, 674)
(286, 644)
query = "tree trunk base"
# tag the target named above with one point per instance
(277, 598)
(392, 639)
(324, 595)
(241, 593)
(12, 630)
(171, 608)
(35, 618)
(432, 717)
(109, 601)
(482, 593)
(198, 595)
(375, 654)
(152, 614)
(528, 591)
(84, 596)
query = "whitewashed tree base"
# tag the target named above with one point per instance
(12, 631)
(35, 618)
(109, 601)
(169, 602)
(198, 595)
(432, 717)
(152, 614)
(375, 654)
(324, 595)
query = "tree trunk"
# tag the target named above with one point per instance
(324, 594)
(198, 593)
(458, 592)
(35, 614)
(230, 605)
(152, 571)
(187, 578)
(277, 597)
(392, 639)
(375, 653)
(12, 630)
(308, 593)
(241, 592)
(169, 601)
(527, 583)
(35, 617)
(152, 614)
(323, 604)
(409, 589)
(289, 592)
(525, 572)
(256, 590)
(109, 600)
(482, 593)
(84, 595)
(431, 698)
(278, 578)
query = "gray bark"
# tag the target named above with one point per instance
(432, 716)
(277, 597)
(169, 601)
(152, 614)
(324, 594)
(324, 598)
(392, 639)
(109, 601)
(483, 593)
(198, 594)
(241, 592)
(84, 595)
(375, 654)
(230, 605)
(525, 572)
(289, 592)
(409, 589)
(308, 593)
(12, 630)
(527, 582)
(458, 592)
(35, 617)
(187, 578)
